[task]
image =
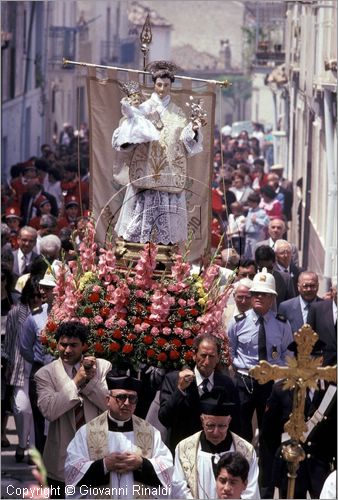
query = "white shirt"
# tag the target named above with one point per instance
(23, 260)
(199, 380)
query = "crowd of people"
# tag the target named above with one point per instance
(211, 431)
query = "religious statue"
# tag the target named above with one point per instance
(154, 207)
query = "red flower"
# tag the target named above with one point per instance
(114, 347)
(104, 311)
(122, 315)
(98, 347)
(174, 355)
(94, 297)
(161, 342)
(148, 339)
(194, 312)
(117, 334)
(139, 308)
(44, 340)
(51, 326)
(131, 336)
(162, 357)
(179, 324)
(137, 321)
(181, 312)
(128, 348)
(100, 332)
(88, 310)
(52, 344)
(195, 328)
(189, 342)
(188, 356)
(176, 342)
(150, 353)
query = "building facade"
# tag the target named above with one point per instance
(308, 114)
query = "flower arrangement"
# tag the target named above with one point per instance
(134, 315)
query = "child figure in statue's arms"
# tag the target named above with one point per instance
(135, 127)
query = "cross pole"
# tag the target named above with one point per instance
(302, 372)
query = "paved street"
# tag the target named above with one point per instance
(12, 473)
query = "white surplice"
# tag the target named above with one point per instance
(206, 478)
(78, 462)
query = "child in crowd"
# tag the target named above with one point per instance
(256, 223)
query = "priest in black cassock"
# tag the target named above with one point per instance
(119, 455)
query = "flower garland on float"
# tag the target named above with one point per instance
(134, 315)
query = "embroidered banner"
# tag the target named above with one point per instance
(108, 184)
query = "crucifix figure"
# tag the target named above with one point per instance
(300, 374)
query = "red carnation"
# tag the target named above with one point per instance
(44, 340)
(128, 348)
(117, 334)
(51, 326)
(176, 342)
(194, 312)
(195, 328)
(98, 347)
(104, 311)
(181, 312)
(147, 339)
(114, 347)
(150, 353)
(94, 297)
(179, 324)
(100, 332)
(162, 357)
(131, 336)
(161, 342)
(173, 355)
(188, 356)
(88, 310)
(52, 344)
(122, 315)
(189, 342)
(138, 321)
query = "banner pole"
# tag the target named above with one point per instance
(224, 83)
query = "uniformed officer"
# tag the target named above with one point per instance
(258, 334)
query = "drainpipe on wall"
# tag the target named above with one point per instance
(330, 244)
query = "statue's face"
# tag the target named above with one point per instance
(162, 87)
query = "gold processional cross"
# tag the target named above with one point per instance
(301, 373)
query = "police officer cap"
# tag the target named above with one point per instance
(264, 282)
(126, 383)
(317, 349)
(216, 403)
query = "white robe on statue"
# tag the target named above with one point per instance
(202, 474)
(78, 462)
(157, 211)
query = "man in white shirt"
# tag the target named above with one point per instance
(24, 255)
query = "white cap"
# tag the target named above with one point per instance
(48, 279)
(264, 282)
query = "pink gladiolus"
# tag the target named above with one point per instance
(98, 320)
(84, 321)
(154, 331)
(166, 331)
(122, 323)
